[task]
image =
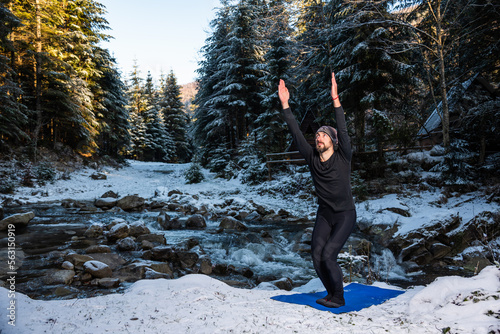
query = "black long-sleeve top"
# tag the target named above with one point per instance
(332, 178)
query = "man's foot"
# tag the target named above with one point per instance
(332, 304)
(323, 300)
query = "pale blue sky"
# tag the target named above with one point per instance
(162, 35)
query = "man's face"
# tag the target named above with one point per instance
(323, 142)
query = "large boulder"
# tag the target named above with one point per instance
(138, 228)
(97, 269)
(113, 260)
(187, 259)
(230, 223)
(163, 253)
(19, 220)
(94, 231)
(126, 244)
(107, 202)
(78, 259)
(131, 202)
(196, 222)
(54, 277)
(118, 231)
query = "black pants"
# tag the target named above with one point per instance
(331, 231)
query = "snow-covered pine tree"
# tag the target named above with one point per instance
(210, 127)
(350, 38)
(160, 144)
(175, 118)
(242, 64)
(270, 131)
(137, 105)
(109, 103)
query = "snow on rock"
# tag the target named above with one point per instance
(474, 302)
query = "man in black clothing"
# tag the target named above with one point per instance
(330, 166)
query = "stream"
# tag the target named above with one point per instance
(56, 230)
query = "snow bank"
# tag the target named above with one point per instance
(200, 304)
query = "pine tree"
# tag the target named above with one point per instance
(13, 116)
(210, 128)
(137, 105)
(349, 38)
(160, 143)
(109, 103)
(175, 118)
(270, 130)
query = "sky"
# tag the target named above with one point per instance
(162, 35)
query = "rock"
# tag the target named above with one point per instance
(241, 215)
(1, 212)
(119, 231)
(138, 228)
(174, 207)
(19, 220)
(109, 194)
(132, 272)
(153, 238)
(284, 284)
(222, 269)
(152, 274)
(126, 244)
(253, 217)
(94, 231)
(205, 266)
(174, 192)
(230, 223)
(196, 222)
(247, 272)
(113, 260)
(98, 249)
(399, 211)
(439, 250)
(163, 253)
(168, 223)
(78, 260)
(163, 268)
(108, 282)
(187, 259)
(131, 202)
(145, 245)
(98, 176)
(107, 202)
(68, 265)
(54, 277)
(62, 291)
(97, 269)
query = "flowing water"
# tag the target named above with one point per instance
(270, 250)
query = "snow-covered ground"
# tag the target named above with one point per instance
(199, 304)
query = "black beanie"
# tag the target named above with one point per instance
(330, 131)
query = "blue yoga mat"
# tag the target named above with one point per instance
(357, 297)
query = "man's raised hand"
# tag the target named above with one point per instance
(284, 95)
(335, 93)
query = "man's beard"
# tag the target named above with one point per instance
(322, 149)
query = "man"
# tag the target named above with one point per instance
(330, 166)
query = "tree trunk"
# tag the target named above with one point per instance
(442, 78)
(38, 77)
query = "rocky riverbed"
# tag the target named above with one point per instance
(70, 248)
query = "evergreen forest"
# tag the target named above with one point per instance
(395, 63)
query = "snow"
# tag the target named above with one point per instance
(200, 304)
